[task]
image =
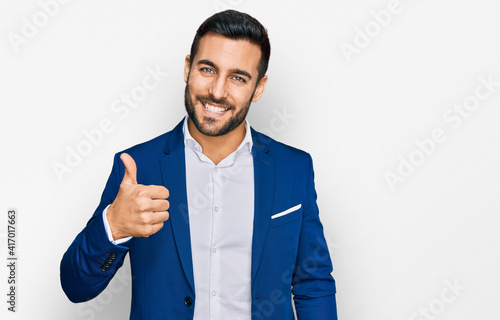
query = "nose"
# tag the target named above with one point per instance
(218, 88)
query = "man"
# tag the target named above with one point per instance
(242, 231)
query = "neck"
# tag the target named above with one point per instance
(218, 148)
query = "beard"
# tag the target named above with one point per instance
(210, 126)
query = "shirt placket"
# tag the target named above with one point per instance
(215, 276)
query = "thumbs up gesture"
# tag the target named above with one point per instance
(138, 210)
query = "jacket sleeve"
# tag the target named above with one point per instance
(313, 286)
(92, 260)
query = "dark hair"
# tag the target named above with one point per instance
(237, 26)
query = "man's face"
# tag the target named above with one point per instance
(221, 83)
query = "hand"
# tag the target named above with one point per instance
(138, 210)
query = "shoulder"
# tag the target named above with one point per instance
(282, 153)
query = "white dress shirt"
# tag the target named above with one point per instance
(221, 208)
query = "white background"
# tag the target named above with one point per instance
(395, 250)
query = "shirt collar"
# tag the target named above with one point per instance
(189, 141)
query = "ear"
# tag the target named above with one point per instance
(259, 90)
(187, 67)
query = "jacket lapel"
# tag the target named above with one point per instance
(264, 180)
(173, 170)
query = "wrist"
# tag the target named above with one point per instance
(113, 226)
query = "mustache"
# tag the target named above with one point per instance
(212, 99)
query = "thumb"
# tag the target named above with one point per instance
(130, 176)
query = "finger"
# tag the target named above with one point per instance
(157, 192)
(159, 205)
(159, 217)
(130, 176)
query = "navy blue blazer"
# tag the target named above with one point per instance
(289, 253)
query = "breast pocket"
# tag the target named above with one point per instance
(286, 216)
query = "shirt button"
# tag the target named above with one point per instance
(216, 169)
(214, 250)
(214, 293)
(216, 209)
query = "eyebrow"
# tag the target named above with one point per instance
(235, 70)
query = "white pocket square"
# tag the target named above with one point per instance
(287, 211)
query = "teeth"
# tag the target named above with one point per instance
(214, 109)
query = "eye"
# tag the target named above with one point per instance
(206, 69)
(239, 79)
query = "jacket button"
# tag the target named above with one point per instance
(188, 301)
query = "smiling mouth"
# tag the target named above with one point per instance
(214, 109)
